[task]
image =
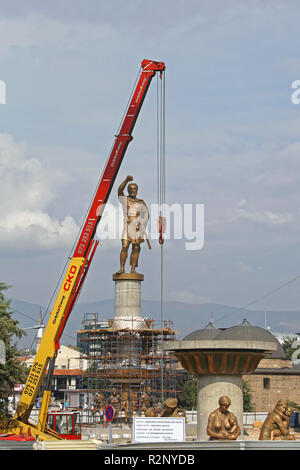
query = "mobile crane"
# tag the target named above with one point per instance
(74, 278)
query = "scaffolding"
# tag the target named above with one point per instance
(124, 363)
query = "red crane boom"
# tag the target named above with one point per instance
(80, 260)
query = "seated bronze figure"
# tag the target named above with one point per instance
(277, 423)
(222, 424)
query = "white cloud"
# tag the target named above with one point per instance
(36, 30)
(35, 230)
(241, 203)
(244, 267)
(282, 170)
(267, 217)
(26, 191)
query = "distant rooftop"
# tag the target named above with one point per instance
(244, 331)
(208, 332)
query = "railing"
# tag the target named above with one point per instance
(250, 418)
(89, 417)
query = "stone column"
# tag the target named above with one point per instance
(210, 389)
(128, 301)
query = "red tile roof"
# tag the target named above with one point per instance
(24, 358)
(68, 372)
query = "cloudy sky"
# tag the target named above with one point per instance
(232, 141)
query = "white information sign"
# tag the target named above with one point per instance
(158, 429)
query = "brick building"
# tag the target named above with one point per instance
(275, 377)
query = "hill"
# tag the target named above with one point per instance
(186, 317)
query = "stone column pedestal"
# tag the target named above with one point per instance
(210, 389)
(128, 301)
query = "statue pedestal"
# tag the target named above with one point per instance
(128, 301)
(209, 389)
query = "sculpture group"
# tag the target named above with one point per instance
(170, 409)
(277, 423)
(223, 425)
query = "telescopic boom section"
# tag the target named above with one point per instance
(122, 140)
(86, 245)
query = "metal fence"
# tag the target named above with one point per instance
(250, 418)
(90, 417)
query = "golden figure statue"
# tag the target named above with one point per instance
(151, 413)
(115, 401)
(277, 423)
(135, 222)
(222, 424)
(146, 400)
(125, 408)
(99, 401)
(170, 408)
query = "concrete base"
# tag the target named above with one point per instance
(128, 302)
(206, 445)
(210, 389)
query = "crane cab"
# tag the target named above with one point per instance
(66, 424)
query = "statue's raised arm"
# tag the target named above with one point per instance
(123, 185)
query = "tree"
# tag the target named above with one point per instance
(94, 381)
(12, 371)
(288, 348)
(293, 405)
(247, 397)
(188, 399)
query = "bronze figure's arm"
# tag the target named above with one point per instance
(123, 185)
(281, 426)
(213, 430)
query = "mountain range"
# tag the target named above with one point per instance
(184, 317)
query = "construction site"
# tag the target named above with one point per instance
(127, 367)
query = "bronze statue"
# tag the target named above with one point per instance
(146, 400)
(277, 423)
(276, 435)
(151, 412)
(99, 401)
(222, 424)
(125, 408)
(115, 401)
(170, 408)
(135, 221)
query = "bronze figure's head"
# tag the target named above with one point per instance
(132, 189)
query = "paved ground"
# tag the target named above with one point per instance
(123, 434)
(253, 434)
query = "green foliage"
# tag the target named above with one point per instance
(287, 347)
(293, 405)
(94, 382)
(247, 397)
(188, 398)
(12, 371)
